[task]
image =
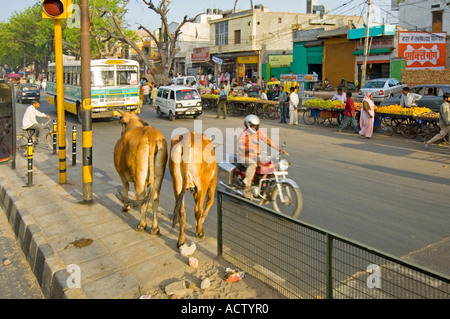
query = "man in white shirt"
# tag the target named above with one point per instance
(293, 107)
(407, 99)
(146, 93)
(339, 96)
(29, 121)
(262, 95)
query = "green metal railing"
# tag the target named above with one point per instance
(303, 261)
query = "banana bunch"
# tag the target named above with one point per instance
(241, 99)
(321, 104)
(397, 109)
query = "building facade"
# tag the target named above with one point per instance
(430, 16)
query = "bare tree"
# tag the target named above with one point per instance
(167, 49)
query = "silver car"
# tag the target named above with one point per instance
(431, 96)
(382, 89)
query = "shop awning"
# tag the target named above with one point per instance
(373, 51)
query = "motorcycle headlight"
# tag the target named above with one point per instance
(284, 165)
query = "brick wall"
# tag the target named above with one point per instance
(416, 77)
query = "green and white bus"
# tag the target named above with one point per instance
(114, 87)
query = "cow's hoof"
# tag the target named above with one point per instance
(141, 228)
(180, 244)
(201, 235)
(154, 231)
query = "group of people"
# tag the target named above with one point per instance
(367, 117)
(149, 92)
(289, 104)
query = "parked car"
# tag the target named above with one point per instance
(27, 92)
(182, 80)
(177, 101)
(431, 96)
(382, 89)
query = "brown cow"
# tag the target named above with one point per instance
(140, 157)
(192, 165)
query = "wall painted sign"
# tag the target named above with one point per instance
(423, 50)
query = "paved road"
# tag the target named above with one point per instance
(17, 281)
(388, 192)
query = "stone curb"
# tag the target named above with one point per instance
(47, 267)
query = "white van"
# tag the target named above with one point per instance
(177, 101)
(182, 80)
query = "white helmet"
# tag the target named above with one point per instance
(250, 120)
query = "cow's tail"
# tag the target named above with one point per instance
(132, 202)
(185, 147)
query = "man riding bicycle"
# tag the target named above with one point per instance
(29, 121)
(248, 149)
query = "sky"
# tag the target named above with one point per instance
(138, 13)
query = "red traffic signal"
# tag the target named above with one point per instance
(56, 9)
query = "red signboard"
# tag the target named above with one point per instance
(200, 55)
(423, 50)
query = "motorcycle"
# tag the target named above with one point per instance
(270, 184)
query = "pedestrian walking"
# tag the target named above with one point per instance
(367, 118)
(283, 105)
(444, 121)
(154, 94)
(44, 85)
(222, 105)
(293, 107)
(349, 114)
(146, 93)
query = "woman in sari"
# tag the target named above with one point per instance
(367, 118)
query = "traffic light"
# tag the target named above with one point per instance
(56, 9)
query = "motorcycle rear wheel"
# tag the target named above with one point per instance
(293, 204)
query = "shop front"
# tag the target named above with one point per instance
(378, 59)
(380, 50)
(247, 68)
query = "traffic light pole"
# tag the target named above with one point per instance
(60, 101)
(86, 98)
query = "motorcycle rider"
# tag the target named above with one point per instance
(248, 149)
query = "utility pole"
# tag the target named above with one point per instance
(366, 45)
(86, 101)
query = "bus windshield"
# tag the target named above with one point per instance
(104, 76)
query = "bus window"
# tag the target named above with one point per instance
(127, 75)
(102, 76)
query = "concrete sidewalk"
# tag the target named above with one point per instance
(55, 230)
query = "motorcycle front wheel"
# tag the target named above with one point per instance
(292, 203)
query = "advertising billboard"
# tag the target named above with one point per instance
(423, 50)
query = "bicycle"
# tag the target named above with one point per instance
(47, 136)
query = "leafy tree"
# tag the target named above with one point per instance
(166, 43)
(27, 38)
